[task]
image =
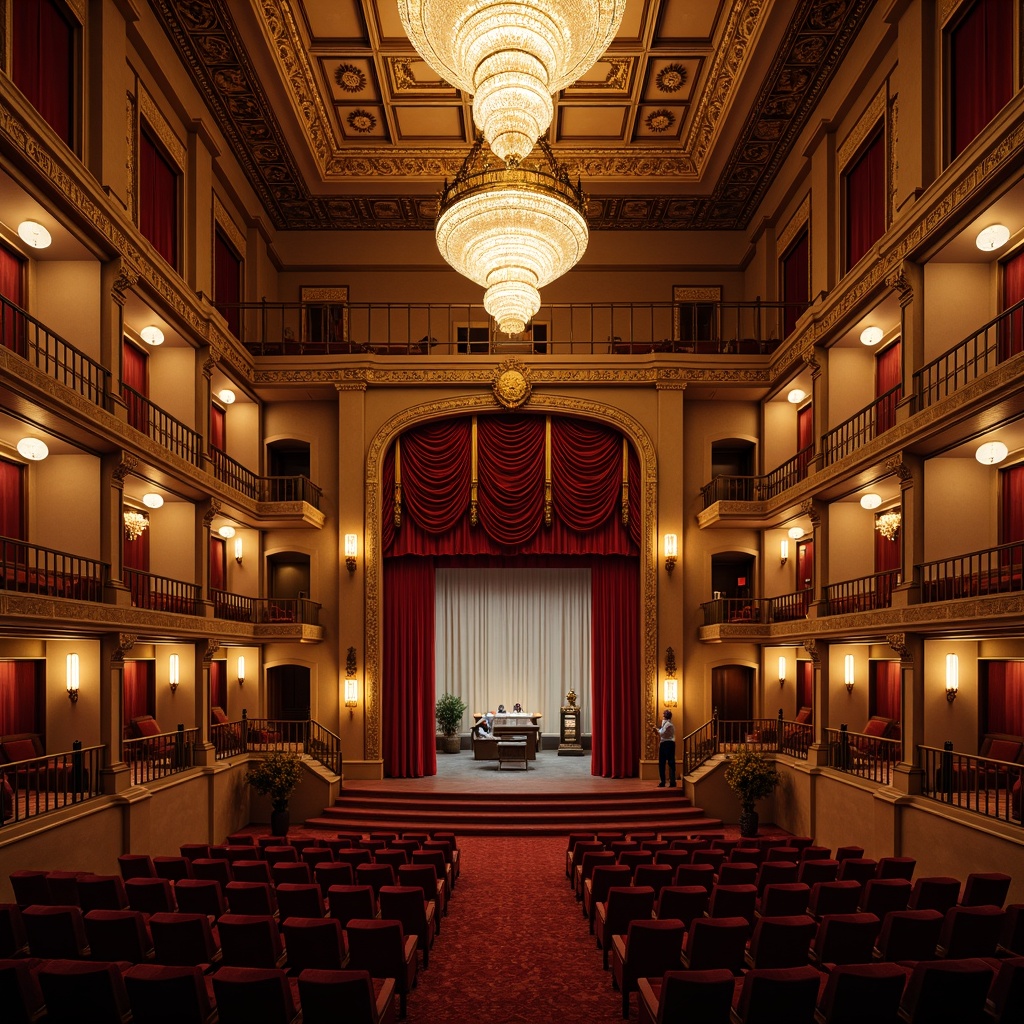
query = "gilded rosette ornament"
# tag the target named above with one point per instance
(511, 384)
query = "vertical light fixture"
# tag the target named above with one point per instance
(241, 669)
(671, 550)
(351, 546)
(172, 672)
(238, 550)
(952, 677)
(671, 684)
(71, 677)
(848, 673)
(783, 551)
(351, 683)
(782, 670)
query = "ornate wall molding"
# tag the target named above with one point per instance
(125, 642)
(901, 469)
(947, 8)
(212, 647)
(223, 220)
(898, 642)
(811, 647)
(800, 220)
(128, 464)
(866, 124)
(131, 150)
(148, 109)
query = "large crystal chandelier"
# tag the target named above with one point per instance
(512, 56)
(512, 230)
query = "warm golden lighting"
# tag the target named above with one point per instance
(227, 532)
(71, 677)
(152, 500)
(350, 551)
(34, 234)
(227, 396)
(152, 335)
(952, 677)
(240, 672)
(870, 501)
(671, 551)
(512, 232)
(351, 695)
(511, 56)
(848, 676)
(782, 670)
(795, 532)
(671, 687)
(991, 453)
(888, 524)
(871, 335)
(135, 524)
(238, 550)
(172, 672)
(796, 396)
(33, 449)
(783, 552)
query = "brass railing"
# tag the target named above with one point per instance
(861, 427)
(866, 593)
(768, 735)
(146, 416)
(980, 784)
(32, 569)
(42, 784)
(870, 757)
(995, 570)
(155, 757)
(161, 593)
(789, 607)
(790, 473)
(722, 610)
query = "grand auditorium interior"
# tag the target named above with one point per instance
(736, 429)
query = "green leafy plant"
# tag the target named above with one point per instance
(276, 776)
(751, 776)
(448, 710)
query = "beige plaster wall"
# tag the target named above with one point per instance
(64, 298)
(64, 503)
(851, 382)
(66, 722)
(171, 377)
(172, 540)
(850, 541)
(959, 491)
(958, 299)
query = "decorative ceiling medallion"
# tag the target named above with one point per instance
(349, 78)
(361, 121)
(511, 384)
(671, 78)
(659, 120)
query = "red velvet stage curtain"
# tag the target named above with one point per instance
(12, 500)
(1011, 519)
(139, 692)
(158, 199)
(510, 458)
(586, 473)
(43, 60)
(636, 519)
(888, 375)
(407, 676)
(133, 373)
(219, 685)
(218, 428)
(1011, 333)
(804, 438)
(11, 276)
(886, 698)
(227, 281)
(1005, 707)
(865, 201)
(19, 705)
(981, 69)
(436, 474)
(795, 281)
(218, 563)
(804, 684)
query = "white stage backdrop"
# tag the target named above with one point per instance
(514, 635)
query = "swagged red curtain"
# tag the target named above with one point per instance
(586, 529)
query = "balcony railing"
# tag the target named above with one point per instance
(42, 784)
(240, 608)
(698, 747)
(990, 571)
(32, 569)
(790, 473)
(734, 609)
(422, 329)
(971, 358)
(54, 356)
(789, 607)
(863, 594)
(264, 735)
(979, 784)
(162, 594)
(162, 427)
(861, 427)
(730, 488)
(264, 488)
(155, 757)
(870, 757)
(759, 488)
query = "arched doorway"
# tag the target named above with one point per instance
(288, 693)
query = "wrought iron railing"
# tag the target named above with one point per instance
(759, 488)
(768, 735)
(790, 473)
(155, 757)
(748, 734)
(995, 570)
(983, 785)
(32, 569)
(730, 488)
(54, 356)
(162, 427)
(870, 757)
(723, 610)
(240, 608)
(265, 735)
(234, 474)
(789, 607)
(161, 593)
(971, 358)
(864, 425)
(864, 594)
(698, 747)
(42, 784)
(264, 488)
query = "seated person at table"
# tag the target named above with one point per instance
(483, 727)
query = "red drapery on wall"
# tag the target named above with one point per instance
(888, 376)
(1011, 518)
(865, 201)
(218, 428)
(139, 693)
(136, 552)
(19, 703)
(133, 373)
(805, 684)
(12, 500)
(981, 61)
(218, 563)
(158, 199)
(886, 698)
(1011, 330)
(1005, 707)
(227, 281)
(795, 281)
(12, 329)
(887, 552)
(43, 60)
(586, 521)
(219, 685)
(804, 438)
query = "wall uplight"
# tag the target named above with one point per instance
(34, 234)
(241, 670)
(33, 449)
(796, 396)
(152, 335)
(351, 546)
(992, 237)
(227, 396)
(991, 453)
(871, 335)
(351, 683)
(782, 671)
(870, 501)
(671, 550)
(227, 532)
(238, 550)
(670, 686)
(952, 677)
(783, 552)
(796, 532)
(71, 677)
(172, 672)
(848, 673)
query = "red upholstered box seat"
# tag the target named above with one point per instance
(968, 774)
(146, 726)
(54, 775)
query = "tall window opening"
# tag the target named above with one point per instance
(158, 198)
(865, 199)
(44, 61)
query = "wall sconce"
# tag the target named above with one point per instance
(848, 673)
(782, 671)
(172, 671)
(71, 677)
(783, 552)
(952, 677)
(241, 670)
(671, 684)
(350, 552)
(238, 550)
(671, 550)
(351, 683)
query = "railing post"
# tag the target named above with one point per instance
(77, 770)
(778, 734)
(244, 738)
(947, 771)
(844, 748)
(714, 728)
(179, 746)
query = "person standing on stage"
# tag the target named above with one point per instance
(666, 748)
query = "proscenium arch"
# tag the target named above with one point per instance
(544, 404)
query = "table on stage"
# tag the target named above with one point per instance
(508, 725)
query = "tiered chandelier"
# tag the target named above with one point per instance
(515, 228)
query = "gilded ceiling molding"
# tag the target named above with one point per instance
(891, 135)
(811, 508)
(176, 149)
(800, 219)
(77, 8)
(899, 282)
(866, 124)
(223, 220)
(211, 512)
(127, 278)
(947, 8)
(131, 140)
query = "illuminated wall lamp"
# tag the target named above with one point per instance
(952, 677)
(350, 551)
(670, 687)
(238, 550)
(241, 670)
(783, 552)
(671, 551)
(848, 673)
(172, 672)
(351, 683)
(782, 671)
(71, 677)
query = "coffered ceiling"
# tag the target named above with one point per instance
(338, 123)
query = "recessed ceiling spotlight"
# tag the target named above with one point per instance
(796, 396)
(33, 449)
(226, 395)
(152, 500)
(870, 501)
(34, 234)
(227, 532)
(152, 335)
(992, 237)
(796, 532)
(991, 452)
(871, 335)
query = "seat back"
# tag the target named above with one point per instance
(986, 889)
(776, 872)
(217, 869)
(292, 872)
(251, 898)
(834, 898)
(101, 892)
(159, 994)
(150, 895)
(118, 935)
(604, 877)
(405, 903)
(946, 991)
(246, 994)
(1006, 997)
(855, 993)
(375, 875)
(738, 872)
(704, 996)
(322, 992)
(55, 932)
(30, 888)
(201, 896)
(377, 946)
(881, 895)
(784, 899)
(685, 902)
(653, 947)
(896, 867)
(710, 856)
(252, 871)
(857, 869)
(970, 932)
(250, 941)
(695, 874)
(20, 994)
(822, 869)
(716, 943)
(346, 902)
(934, 892)
(733, 901)
(656, 876)
(777, 995)
(69, 986)
(136, 865)
(627, 904)
(909, 935)
(845, 939)
(183, 940)
(299, 900)
(1012, 939)
(782, 941)
(314, 942)
(172, 868)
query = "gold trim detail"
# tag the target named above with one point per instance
(547, 471)
(176, 149)
(796, 223)
(625, 481)
(865, 125)
(511, 384)
(224, 220)
(398, 483)
(474, 476)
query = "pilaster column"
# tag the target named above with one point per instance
(204, 651)
(206, 360)
(817, 512)
(205, 513)
(117, 278)
(113, 646)
(114, 467)
(910, 471)
(819, 400)
(908, 282)
(907, 774)
(817, 753)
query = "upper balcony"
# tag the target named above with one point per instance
(285, 500)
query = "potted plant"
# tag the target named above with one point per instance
(751, 776)
(448, 710)
(276, 776)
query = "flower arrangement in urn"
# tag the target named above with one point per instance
(751, 776)
(448, 710)
(276, 776)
